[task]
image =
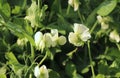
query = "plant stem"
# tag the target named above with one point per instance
(43, 59)
(93, 27)
(90, 57)
(32, 52)
(59, 6)
(80, 16)
(118, 46)
(68, 10)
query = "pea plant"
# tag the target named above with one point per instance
(59, 38)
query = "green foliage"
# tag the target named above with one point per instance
(107, 7)
(99, 57)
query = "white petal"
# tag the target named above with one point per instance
(79, 28)
(38, 37)
(104, 25)
(41, 45)
(85, 36)
(99, 18)
(76, 5)
(71, 2)
(37, 72)
(114, 36)
(54, 32)
(44, 72)
(62, 40)
(72, 38)
(48, 39)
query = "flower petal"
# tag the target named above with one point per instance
(71, 2)
(76, 5)
(72, 38)
(54, 32)
(44, 72)
(37, 71)
(114, 36)
(79, 28)
(99, 18)
(38, 37)
(61, 40)
(48, 40)
(85, 36)
(104, 25)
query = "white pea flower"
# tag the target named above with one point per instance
(74, 39)
(41, 72)
(103, 21)
(37, 72)
(44, 72)
(22, 41)
(74, 3)
(48, 40)
(80, 35)
(56, 39)
(39, 40)
(114, 36)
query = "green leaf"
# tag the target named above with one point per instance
(20, 3)
(3, 76)
(85, 70)
(16, 10)
(100, 76)
(53, 74)
(3, 70)
(107, 7)
(117, 75)
(6, 9)
(91, 18)
(14, 64)
(11, 57)
(77, 76)
(70, 69)
(19, 31)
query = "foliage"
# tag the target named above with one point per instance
(55, 48)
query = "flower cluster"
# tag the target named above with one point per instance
(80, 35)
(22, 41)
(74, 4)
(104, 21)
(41, 72)
(48, 40)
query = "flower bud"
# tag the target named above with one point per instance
(114, 36)
(37, 72)
(41, 72)
(44, 72)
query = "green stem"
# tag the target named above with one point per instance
(118, 46)
(43, 59)
(31, 66)
(106, 50)
(68, 10)
(80, 16)
(93, 27)
(32, 52)
(90, 57)
(59, 5)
